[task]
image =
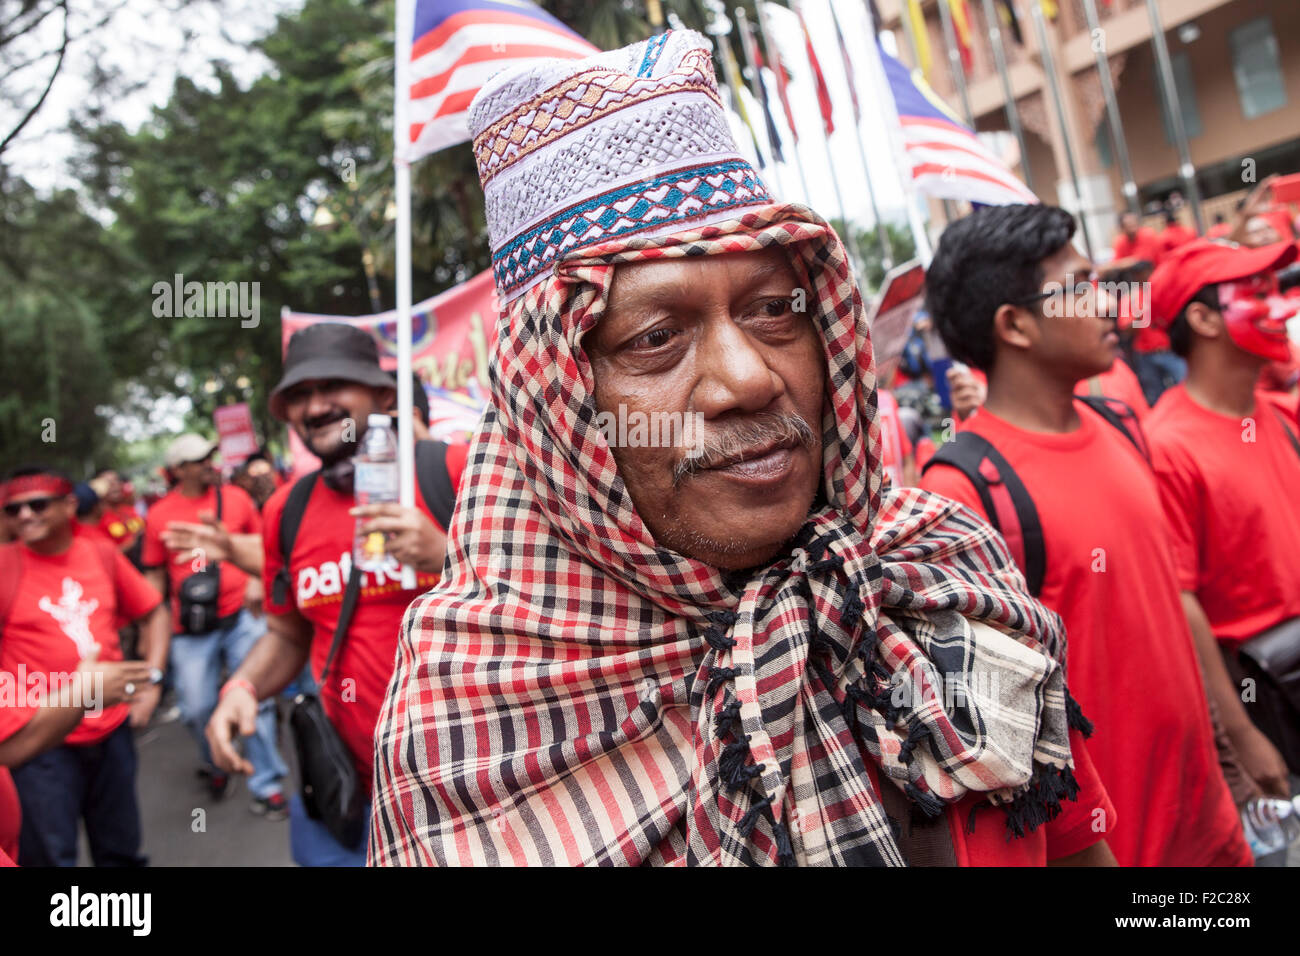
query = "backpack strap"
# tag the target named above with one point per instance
(1295, 442)
(435, 481)
(1121, 417)
(1006, 501)
(295, 506)
(11, 570)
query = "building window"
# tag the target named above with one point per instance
(1257, 68)
(1182, 68)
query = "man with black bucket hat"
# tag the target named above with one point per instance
(318, 609)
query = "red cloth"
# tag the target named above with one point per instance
(1144, 245)
(1218, 231)
(319, 567)
(11, 819)
(1120, 382)
(1131, 661)
(121, 524)
(76, 585)
(895, 447)
(1171, 237)
(1233, 509)
(238, 514)
(92, 531)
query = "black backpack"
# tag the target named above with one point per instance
(435, 487)
(1006, 501)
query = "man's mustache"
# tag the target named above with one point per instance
(736, 441)
(328, 418)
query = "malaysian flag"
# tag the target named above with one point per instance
(947, 159)
(447, 49)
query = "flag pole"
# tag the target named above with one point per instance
(1054, 85)
(893, 131)
(885, 247)
(1112, 107)
(1008, 97)
(849, 244)
(402, 175)
(954, 62)
(755, 79)
(1175, 110)
(775, 64)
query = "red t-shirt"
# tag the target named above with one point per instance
(121, 524)
(1171, 237)
(65, 604)
(92, 531)
(1120, 382)
(1131, 661)
(1228, 487)
(11, 819)
(1144, 245)
(318, 571)
(238, 514)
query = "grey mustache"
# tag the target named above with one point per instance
(763, 429)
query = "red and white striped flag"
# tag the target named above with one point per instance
(447, 49)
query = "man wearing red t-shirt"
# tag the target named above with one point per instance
(69, 701)
(332, 383)
(1174, 234)
(1226, 465)
(1113, 582)
(205, 645)
(120, 521)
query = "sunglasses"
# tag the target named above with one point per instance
(38, 505)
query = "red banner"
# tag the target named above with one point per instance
(451, 337)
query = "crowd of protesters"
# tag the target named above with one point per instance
(640, 655)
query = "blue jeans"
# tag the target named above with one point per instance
(312, 844)
(197, 664)
(1158, 371)
(95, 782)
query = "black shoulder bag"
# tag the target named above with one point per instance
(331, 791)
(199, 593)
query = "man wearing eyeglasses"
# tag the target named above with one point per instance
(1011, 295)
(67, 699)
(216, 638)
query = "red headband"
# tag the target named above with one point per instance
(52, 485)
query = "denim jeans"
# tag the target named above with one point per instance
(198, 661)
(93, 781)
(1158, 371)
(312, 844)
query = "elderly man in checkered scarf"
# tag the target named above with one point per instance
(733, 646)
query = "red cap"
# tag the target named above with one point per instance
(1186, 270)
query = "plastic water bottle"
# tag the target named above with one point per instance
(375, 481)
(1271, 824)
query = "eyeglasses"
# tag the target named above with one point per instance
(1088, 286)
(37, 505)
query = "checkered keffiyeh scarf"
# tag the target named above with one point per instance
(572, 694)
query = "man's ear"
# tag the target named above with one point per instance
(1204, 321)
(1014, 327)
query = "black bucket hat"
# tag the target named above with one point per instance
(329, 350)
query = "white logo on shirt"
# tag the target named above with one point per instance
(332, 577)
(73, 616)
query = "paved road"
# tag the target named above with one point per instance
(183, 825)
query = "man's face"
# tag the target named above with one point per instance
(714, 343)
(113, 494)
(1076, 327)
(35, 516)
(202, 473)
(1255, 316)
(1260, 232)
(1129, 223)
(330, 415)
